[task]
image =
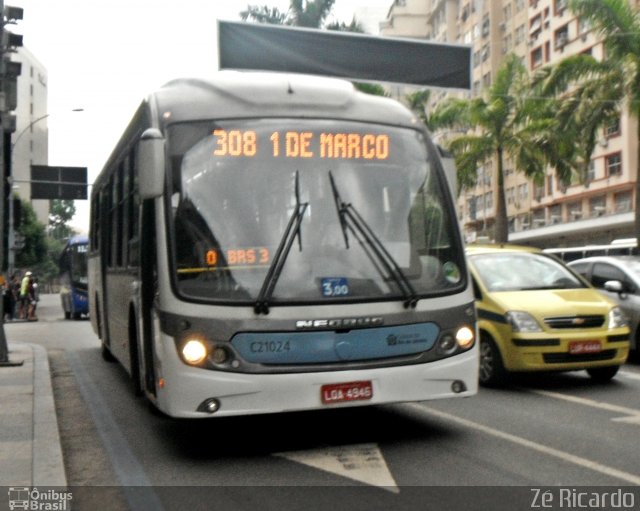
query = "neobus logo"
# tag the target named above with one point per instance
(339, 323)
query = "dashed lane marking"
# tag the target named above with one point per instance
(550, 451)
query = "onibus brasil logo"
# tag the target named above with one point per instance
(23, 497)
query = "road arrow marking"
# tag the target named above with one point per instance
(631, 415)
(362, 462)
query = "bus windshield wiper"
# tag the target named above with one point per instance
(275, 269)
(351, 220)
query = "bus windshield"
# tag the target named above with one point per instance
(317, 210)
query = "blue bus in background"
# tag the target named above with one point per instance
(73, 277)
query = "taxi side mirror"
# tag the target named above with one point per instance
(614, 286)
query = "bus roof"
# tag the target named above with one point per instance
(78, 239)
(238, 94)
(249, 94)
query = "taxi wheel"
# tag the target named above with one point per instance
(492, 372)
(603, 374)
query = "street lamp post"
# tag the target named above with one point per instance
(11, 235)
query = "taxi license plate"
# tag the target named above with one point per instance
(344, 392)
(583, 347)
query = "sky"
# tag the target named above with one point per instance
(105, 56)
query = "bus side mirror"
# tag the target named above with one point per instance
(151, 170)
(449, 166)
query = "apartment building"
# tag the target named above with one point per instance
(541, 32)
(30, 142)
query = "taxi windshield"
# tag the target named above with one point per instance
(255, 215)
(522, 271)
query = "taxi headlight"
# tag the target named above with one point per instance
(194, 351)
(521, 321)
(617, 319)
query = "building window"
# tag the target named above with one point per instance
(485, 25)
(597, 206)
(485, 52)
(549, 185)
(539, 192)
(523, 191)
(591, 171)
(561, 38)
(612, 129)
(575, 211)
(561, 5)
(623, 202)
(488, 200)
(613, 163)
(536, 58)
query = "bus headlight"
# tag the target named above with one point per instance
(194, 351)
(465, 337)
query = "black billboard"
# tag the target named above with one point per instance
(65, 183)
(346, 55)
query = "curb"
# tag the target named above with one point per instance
(48, 463)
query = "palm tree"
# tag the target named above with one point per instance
(510, 120)
(617, 23)
(417, 102)
(591, 94)
(301, 13)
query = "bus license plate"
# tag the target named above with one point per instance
(583, 347)
(344, 392)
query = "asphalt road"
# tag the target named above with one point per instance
(503, 449)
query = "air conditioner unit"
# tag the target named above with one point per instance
(555, 219)
(599, 210)
(539, 221)
(576, 215)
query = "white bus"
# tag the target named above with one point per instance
(268, 242)
(625, 246)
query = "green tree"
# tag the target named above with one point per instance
(34, 251)
(612, 83)
(60, 214)
(417, 101)
(509, 120)
(590, 94)
(40, 253)
(301, 13)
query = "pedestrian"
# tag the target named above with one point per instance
(6, 297)
(24, 295)
(33, 298)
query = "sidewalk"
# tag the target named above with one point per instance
(30, 451)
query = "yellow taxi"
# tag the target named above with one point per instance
(534, 314)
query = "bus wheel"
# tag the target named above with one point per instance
(603, 374)
(492, 372)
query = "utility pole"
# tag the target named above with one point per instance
(8, 95)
